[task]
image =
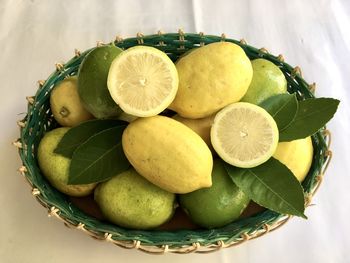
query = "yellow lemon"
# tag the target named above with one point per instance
(210, 78)
(296, 155)
(200, 126)
(168, 154)
(67, 109)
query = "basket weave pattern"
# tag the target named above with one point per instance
(39, 119)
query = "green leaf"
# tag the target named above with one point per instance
(282, 107)
(99, 158)
(271, 185)
(79, 134)
(312, 115)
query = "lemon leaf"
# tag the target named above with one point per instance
(79, 134)
(311, 116)
(271, 185)
(283, 108)
(99, 158)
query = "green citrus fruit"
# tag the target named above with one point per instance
(218, 205)
(131, 201)
(92, 82)
(297, 155)
(55, 167)
(211, 77)
(268, 80)
(66, 105)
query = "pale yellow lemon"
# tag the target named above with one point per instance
(297, 155)
(55, 167)
(200, 126)
(66, 105)
(168, 154)
(210, 78)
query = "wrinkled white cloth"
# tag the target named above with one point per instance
(34, 34)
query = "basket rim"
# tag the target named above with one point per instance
(182, 41)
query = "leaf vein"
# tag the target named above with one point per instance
(97, 160)
(275, 193)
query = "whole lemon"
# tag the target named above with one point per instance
(200, 126)
(211, 77)
(297, 155)
(131, 201)
(55, 167)
(268, 80)
(218, 205)
(168, 154)
(65, 103)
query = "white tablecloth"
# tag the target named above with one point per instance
(35, 34)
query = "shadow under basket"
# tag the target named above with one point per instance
(39, 119)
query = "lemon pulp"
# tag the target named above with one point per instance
(143, 81)
(244, 135)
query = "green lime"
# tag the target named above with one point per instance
(92, 82)
(218, 205)
(268, 80)
(131, 201)
(55, 167)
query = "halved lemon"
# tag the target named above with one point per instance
(143, 81)
(244, 135)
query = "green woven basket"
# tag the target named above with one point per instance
(39, 120)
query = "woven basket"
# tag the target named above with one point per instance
(39, 120)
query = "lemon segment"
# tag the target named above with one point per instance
(143, 81)
(244, 135)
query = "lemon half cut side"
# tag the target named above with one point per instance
(143, 81)
(244, 135)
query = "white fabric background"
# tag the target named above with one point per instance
(35, 34)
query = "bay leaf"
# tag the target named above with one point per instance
(99, 158)
(75, 136)
(271, 185)
(312, 115)
(282, 107)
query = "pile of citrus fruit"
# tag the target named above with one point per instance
(185, 121)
